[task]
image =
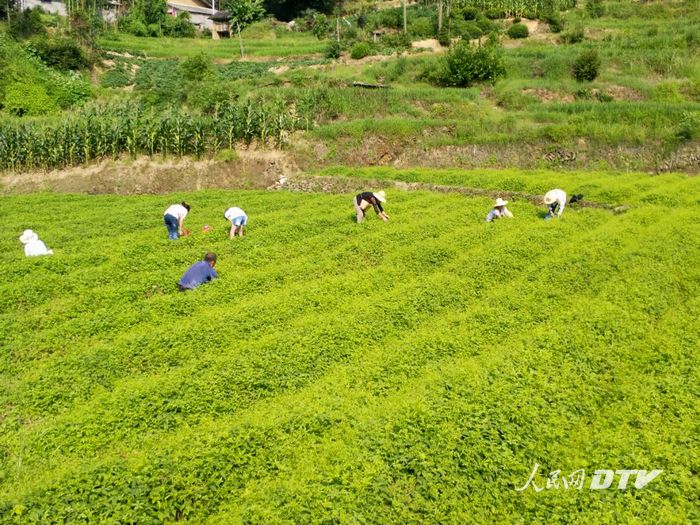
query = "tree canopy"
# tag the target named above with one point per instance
(287, 9)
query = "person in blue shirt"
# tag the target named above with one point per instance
(199, 273)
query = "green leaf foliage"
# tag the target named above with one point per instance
(518, 31)
(466, 64)
(585, 67)
(408, 372)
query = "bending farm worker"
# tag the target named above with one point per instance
(499, 210)
(366, 199)
(238, 219)
(32, 245)
(174, 217)
(199, 273)
(555, 200)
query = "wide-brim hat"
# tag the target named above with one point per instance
(28, 236)
(381, 196)
(500, 202)
(548, 199)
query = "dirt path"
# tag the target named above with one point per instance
(325, 184)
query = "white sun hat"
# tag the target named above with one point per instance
(381, 196)
(28, 236)
(500, 202)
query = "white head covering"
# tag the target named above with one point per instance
(381, 196)
(28, 236)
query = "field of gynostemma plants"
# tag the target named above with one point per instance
(409, 372)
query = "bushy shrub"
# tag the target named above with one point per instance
(360, 50)
(334, 49)
(486, 25)
(391, 18)
(62, 53)
(574, 36)
(585, 67)
(595, 8)
(554, 21)
(471, 30)
(133, 26)
(321, 26)
(470, 13)
(423, 27)
(688, 128)
(154, 30)
(518, 31)
(397, 41)
(466, 64)
(196, 67)
(26, 24)
(180, 26)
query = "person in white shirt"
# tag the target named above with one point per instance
(499, 210)
(174, 217)
(555, 200)
(238, 219)
(32, 245)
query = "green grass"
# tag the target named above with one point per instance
(276, 44)
(408, 372)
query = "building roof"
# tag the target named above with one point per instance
(221, 16)
(192, 6)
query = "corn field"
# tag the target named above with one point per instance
(517, 7)
(103, 132)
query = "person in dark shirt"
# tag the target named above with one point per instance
(199, 273)
(366, 199)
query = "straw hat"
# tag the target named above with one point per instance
(28, 236)
(500, 202)
(549, 199)
(381, 196)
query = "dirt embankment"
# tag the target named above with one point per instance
(581, 155)
(253, 169)
(257, 168)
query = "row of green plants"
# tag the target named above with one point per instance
(484, 349)
(100, 132)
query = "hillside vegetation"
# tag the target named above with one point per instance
(594, 85)
(408, 372)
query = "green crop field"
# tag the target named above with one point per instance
(407, 372)
(281, 44)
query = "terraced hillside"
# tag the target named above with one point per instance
(408, 372)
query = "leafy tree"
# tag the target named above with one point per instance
(7, 9)
(179, 26)
(62, 53)
(290, 9)
(243, 12)
(27, 24)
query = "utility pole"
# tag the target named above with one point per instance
(439, 15)
(405, 22)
